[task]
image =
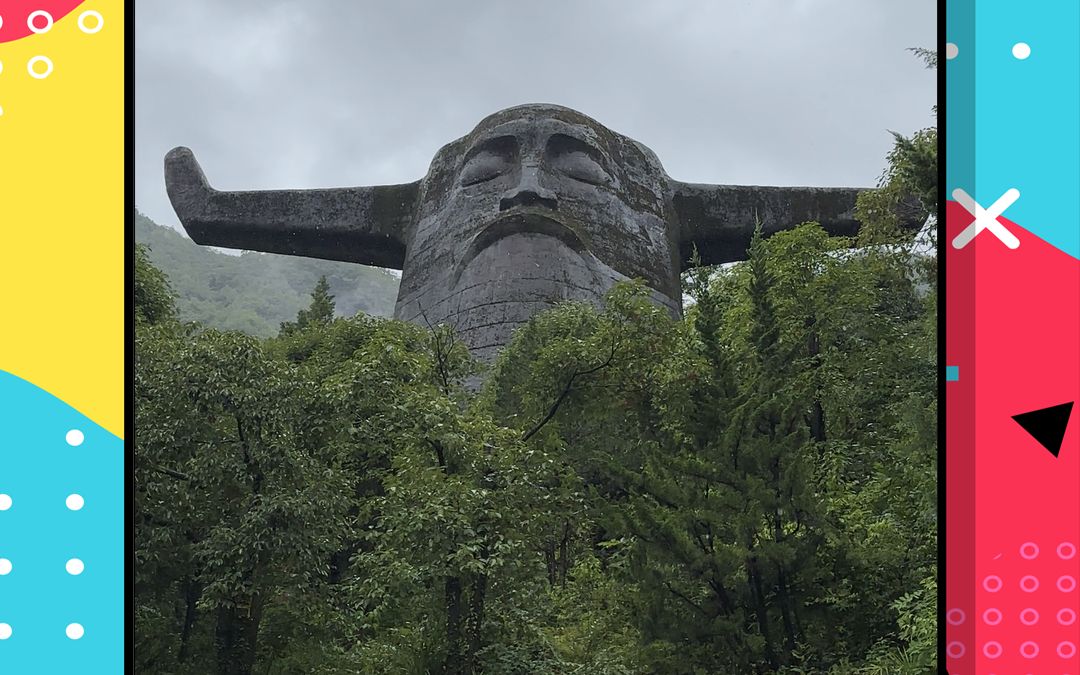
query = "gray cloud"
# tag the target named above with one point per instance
(293, 94)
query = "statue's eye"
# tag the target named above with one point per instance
(483, 167)
(577, 159)
(489, 159)
(580, 166)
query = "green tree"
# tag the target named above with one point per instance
(319, 313)
(749, 488)
(153, 296)
(908, 186)
(256, 292)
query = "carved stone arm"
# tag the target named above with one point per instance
(720, 219)
(364, 225)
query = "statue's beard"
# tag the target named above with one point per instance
(523, 263)
(520, 220)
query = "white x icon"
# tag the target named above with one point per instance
(986, 219)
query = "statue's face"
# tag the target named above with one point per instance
(537, 205)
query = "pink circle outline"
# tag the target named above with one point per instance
(986, 585)
(949, 650)
(1071, 546)
(1024, 588)
(1071, 646)
(957, 622)
(1033, 621)
(1033, 555)
(1072, 580)
(997, 645)
(996, 621)
(1025, 654)
(1072, 618)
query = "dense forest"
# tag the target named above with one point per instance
(256, 292)
(748, 489)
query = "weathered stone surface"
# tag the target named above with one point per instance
(538, 204)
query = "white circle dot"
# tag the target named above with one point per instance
(75, 566)
(992, 649)
(74, 631)
(5, 631)
(1, 66)
(74, 502)
(5, 567)
(992, 616)
(1, 21)
(1066, 584)
(951, 50)
(48, 21)
(5, 502)
(35, 74)
(1029, 584)
(75, 438)
(1029, 550)
(992, 583)
(1021, 50)
(97, 26)
(1029, 650)
(1066, 550)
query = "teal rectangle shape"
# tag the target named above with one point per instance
(952, 373)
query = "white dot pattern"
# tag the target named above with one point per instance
(61, 532)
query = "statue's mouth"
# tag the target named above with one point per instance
(520, 220)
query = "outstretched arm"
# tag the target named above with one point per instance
(719, 220)
(364, 225)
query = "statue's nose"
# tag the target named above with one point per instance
(529, 192)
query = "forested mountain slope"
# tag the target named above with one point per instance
(255, 292)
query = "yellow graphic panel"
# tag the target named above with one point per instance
(62, 206)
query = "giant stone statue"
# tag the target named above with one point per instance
(538, 204)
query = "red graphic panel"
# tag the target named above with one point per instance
(1013, 453)
(16, 18)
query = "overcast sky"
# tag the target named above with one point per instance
(306, 94)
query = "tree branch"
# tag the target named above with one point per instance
(172, 474)
(687, 600)
(440, 455)
(569, 387)
(442, 370)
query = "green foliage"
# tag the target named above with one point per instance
(928, 56)
(154, 302)
(908, 187)
(748, 489)
(319, 313)
(256, 292)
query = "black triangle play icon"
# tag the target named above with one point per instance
(1047, 425)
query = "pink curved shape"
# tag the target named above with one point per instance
(15, 13)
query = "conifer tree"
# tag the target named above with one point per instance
(319, 313)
